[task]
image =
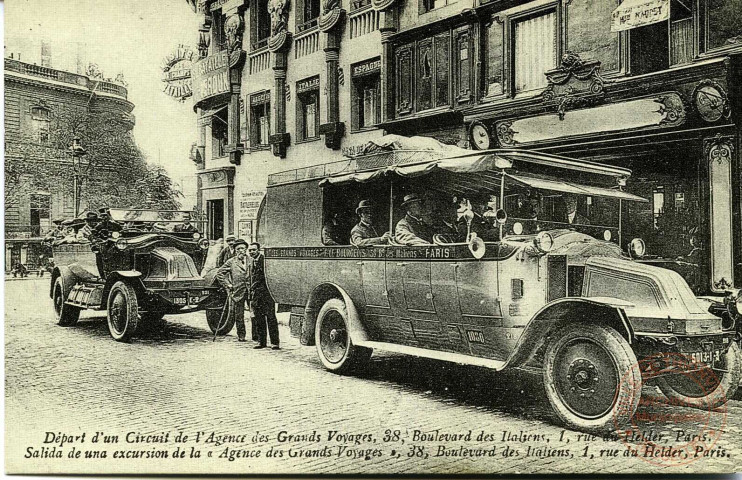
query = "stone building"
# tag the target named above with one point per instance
(38, 164)
(653, 85)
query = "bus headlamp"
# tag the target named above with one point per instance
(204, 244)
(544, 242)
(196, 235)
(637, 248)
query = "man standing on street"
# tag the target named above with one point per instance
(233, 276)
(262, 304)
(227, 252)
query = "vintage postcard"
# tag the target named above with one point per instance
(373, 236)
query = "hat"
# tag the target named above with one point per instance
(238, 242)
(103, 210)
(412, 197)
(67, 222)
(364, 204)
(91, 216)
(57, 221)
(230, 237)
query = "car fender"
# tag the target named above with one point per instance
(556, 314)
(68, 280)
(317, 298)
(132, 277)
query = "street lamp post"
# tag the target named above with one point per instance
(77, 152)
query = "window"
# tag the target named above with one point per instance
(660, 45)
(307, 115)
(723, 23)
(218, 37)
(219, 135)
(428, 5)
(366, 94)
(307, 14)
(260, 107)
(261, 24)
(40, 119)
(40, 206)
(534, 50)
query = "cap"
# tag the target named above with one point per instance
(239, 241)
(411, 198)
(229, 237)
(91, 216)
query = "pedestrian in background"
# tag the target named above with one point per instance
(233, 276)
(262, 303)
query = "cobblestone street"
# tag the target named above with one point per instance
(78, 380)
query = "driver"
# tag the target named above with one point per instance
(186, 226)
(572, 217)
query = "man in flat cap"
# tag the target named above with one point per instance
(412, 230)
(364, 234)
(233, 276)
(227, 252)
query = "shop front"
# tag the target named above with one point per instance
(216, 194)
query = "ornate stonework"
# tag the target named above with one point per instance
(574, 83)
(234, 28)
(719, 149)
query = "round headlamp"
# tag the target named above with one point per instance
(637, 248)
(517, 228)
(196, 235)
(607, 235)
(544, 242)
(121, 243)
(115, 235)
(204, 244)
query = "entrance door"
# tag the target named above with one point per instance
(215, 217)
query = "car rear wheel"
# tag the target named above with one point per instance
(123, 311)
(707, 388)
(591, 378)
(334, 345)
(67, 315)
(219, 319)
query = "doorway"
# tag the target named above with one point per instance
(215, 217)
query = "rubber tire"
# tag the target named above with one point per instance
(626, 368)
(132, 311)
(67, 315)
(213, 317)
(354, 358)
(726, 389)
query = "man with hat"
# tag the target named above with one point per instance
(227, 252)
(106, 224)
(364, 234)
(186, 226)
(262, 303)
(412, 230)
(56, 233)
(233, 277)
(86, 232)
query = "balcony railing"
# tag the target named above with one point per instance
(12, 65)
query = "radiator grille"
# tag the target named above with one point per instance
(557, 268)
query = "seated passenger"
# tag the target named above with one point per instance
(331, 230)
(364, 234)
(106, 224)
(572, 217)
(86, 232)
(186, 226)
(412, 230)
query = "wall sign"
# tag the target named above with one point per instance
(637, 13)
(211, 76)
(366, 68)
(176, 73)
(308, 84)
(250, 204)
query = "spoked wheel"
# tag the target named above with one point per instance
(67, 315)
(123, 314)
(706, 389)
(334, 345)
(591, 378)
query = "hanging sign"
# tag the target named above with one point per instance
(211, 76)
(176, 73)
(637, 13)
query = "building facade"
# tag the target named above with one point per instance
(40, 105)
(652, 85)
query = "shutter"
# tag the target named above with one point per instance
(535, 51)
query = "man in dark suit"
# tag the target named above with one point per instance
(412, 229)
(572, 217)
(364, 234)
(186, 226)
(227, 252)
(233, 276)
(262, 303)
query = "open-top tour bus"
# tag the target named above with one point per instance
(509, 288)
(139, 272)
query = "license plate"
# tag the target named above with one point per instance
(194, 300)
(709, 357)
(179, 300)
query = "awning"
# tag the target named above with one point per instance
(464, 164)
(637, 13)
(566, 187)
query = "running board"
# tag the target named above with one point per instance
(435, 354)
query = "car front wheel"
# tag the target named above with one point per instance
(123, 311)
(334, 345)
(706, 389)
(591, 378)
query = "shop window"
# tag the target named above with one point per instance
(307, 105)
(260, 20)
(534, 50)
(723, 23)
(428, 5)
(660, 45)
(307, 14)
(40, 119)
(219, 133)
(260, 106)
(366, 94)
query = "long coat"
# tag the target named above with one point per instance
(411, 231)
(234, 275)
